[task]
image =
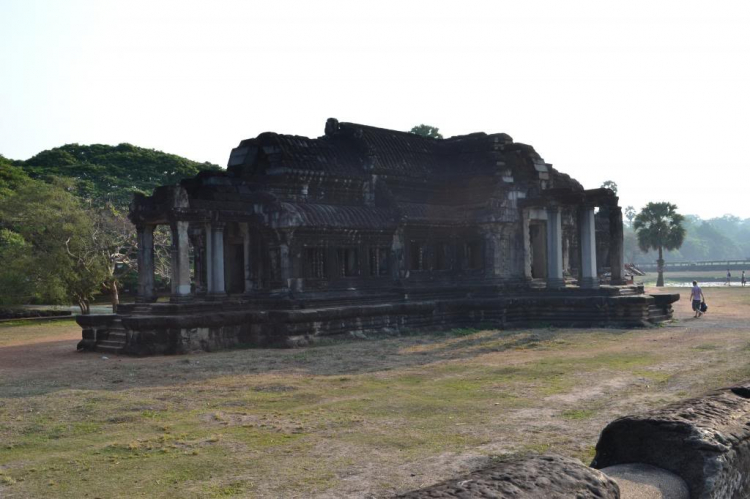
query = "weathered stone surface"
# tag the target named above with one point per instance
(185, 327)
(550, 477)
(365, 229)
(705, 441)
(642, 481)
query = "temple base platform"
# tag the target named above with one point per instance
(210, 325)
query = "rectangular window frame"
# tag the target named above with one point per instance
(347, 262)
(315, 262)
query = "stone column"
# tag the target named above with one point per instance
(285, 263)
(208, 258)
(199, 256)
(246, 257)
(180, 261)
(554, 249)
(589, 278)
(396, 259)
(145, 263)
(217, 260)
(526, 243)
(616, 250)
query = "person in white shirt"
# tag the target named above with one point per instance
(696, 297)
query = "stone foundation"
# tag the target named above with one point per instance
(173, 328)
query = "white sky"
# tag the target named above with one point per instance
(654, 95)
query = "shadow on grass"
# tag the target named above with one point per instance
(45, 367)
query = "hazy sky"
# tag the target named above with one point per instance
(654, 95)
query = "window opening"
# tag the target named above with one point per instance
(473, 255)
(315, 262)
(378, 261)
(416, 255)
(348, 262)
(441, 256)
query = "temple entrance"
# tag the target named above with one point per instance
(235, 269)
(538, 249)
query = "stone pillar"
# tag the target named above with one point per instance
(199, 259)
(526, 242)
(589, 278)
(616, 250)
(217, 260)
(285, 263)
(180, 261)
(554, 249)
(208, 258)
(246, 257)
(396, 258)
(145, 263)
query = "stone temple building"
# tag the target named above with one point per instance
(367, 230)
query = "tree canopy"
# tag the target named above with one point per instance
(111, 174)
(43, 246)
(658, 226)
(63, 231)
(630, 214)
(11, 178)
(426, 131)
(610, 184)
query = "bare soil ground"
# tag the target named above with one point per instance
(365, 418)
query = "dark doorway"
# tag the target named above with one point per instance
(538, 249)
(234, 275)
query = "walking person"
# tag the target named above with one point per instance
(743, 279)
(696, 298)
(729, 278)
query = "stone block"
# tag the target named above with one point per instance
(705, 441)
(526, 478)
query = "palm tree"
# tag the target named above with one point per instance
(659, 227)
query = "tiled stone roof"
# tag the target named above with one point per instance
(354, 150)
(333, 216)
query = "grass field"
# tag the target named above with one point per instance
(365, 418)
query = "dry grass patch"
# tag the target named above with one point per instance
(346, 419)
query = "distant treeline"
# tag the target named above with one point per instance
(723, 238)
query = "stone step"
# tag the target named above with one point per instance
(658, 318)
(117, 335)
(112, 347)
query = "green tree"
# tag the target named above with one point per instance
(104, 179)
(610, 184)
(659, 227)
(16, 272)
(11, 177)
(111, 174)
(630, 215)
(426, 131)
(46, 238)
